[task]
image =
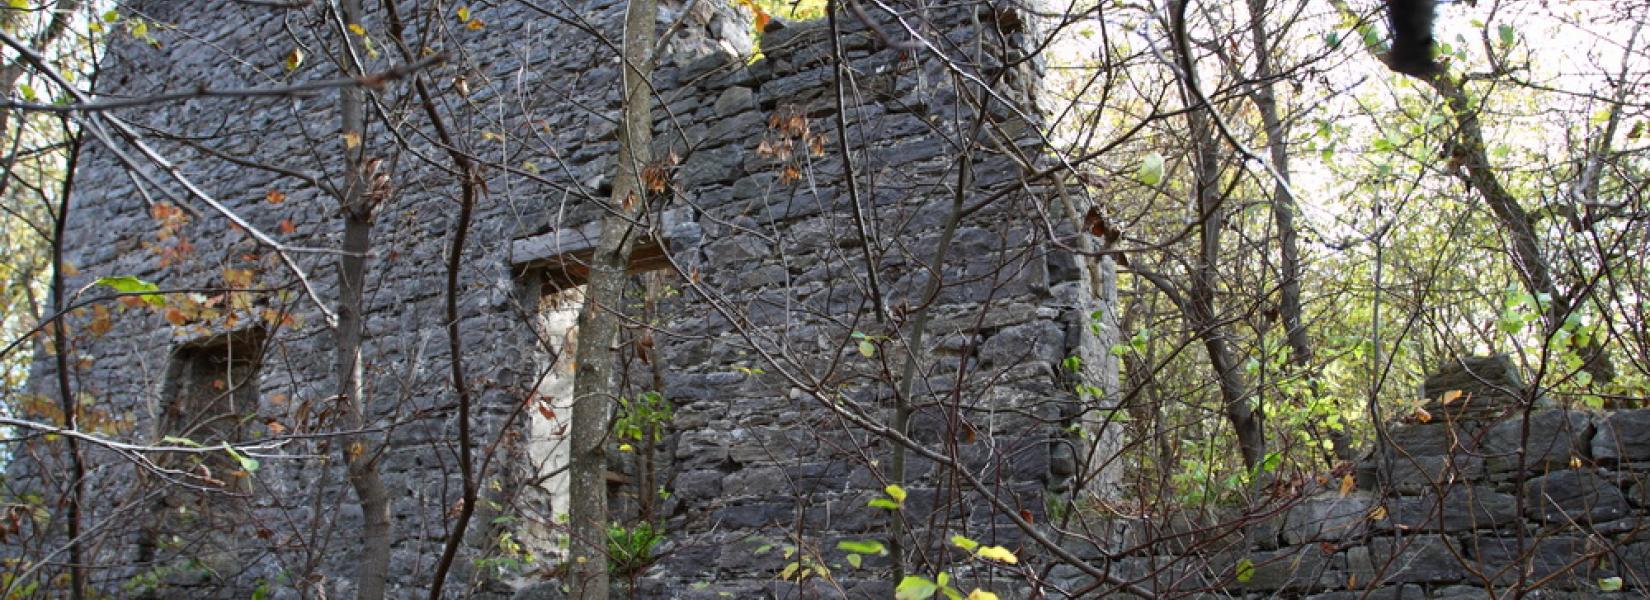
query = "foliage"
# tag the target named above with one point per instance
(630, 548)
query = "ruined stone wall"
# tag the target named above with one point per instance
(1473, 502)
(767, 250)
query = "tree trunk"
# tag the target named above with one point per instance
(593, 381)
(1247, 423)
(359, 456)
(1283, 216)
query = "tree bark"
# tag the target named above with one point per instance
(593, 378)
(1283, 215)
(360, 457)
(1246, 422)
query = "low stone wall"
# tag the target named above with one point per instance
(1471, 498)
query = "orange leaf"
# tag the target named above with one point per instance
(1451, 396)
(1346, 484)
(275, 427)
(1422, 415)
(287, 227)
(175, 317)
(274, 197)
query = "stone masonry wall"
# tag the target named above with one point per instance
(764, 248)
(1469, 504)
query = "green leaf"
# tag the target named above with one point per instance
(883, 503)
(19, 4)
(790, 570)
(854, 559)
(1507, 34)
(180, 441)
(1151, 169)
(127, 284)
(763, 549)
(1245, 570)
(966, 544)
(1609, 584)
(867, 349)
(862, 546)
(915, 587)
(111, 16)
(247, 463)
(28, 92)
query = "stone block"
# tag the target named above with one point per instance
(1300, 568)
(1459, 508)
(1410, 559)
(735, 100)
(1624, 436)
(1564, 558)
(1573, 496)
(1327, 517)
(1555, 438)
(1416, 474)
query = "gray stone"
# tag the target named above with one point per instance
(1411, 559)
(1556, 437)
(735, 100)
(1502, 558)
(543, 590)
(1327, 517)
(1573, 497)
(1624, 436)
(1302, 568)
(1461, 508)
(1036, 341)
(1415, 474)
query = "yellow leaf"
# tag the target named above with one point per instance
(1346, 484)
(998, 553)
(896, 492)
(463, 13)
(1377, 514)
(475, 25)
(357, 29)
(1451, 396)
(1422, 415)
(352, 140)
(979, 594)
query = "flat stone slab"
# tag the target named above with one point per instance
(1624, 436)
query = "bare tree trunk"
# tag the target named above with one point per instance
(66, 399)
(1247, 423)
(1283, 214)
(361, 460)
(593, 381)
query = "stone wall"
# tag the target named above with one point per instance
(1471, 500)
(768, 252)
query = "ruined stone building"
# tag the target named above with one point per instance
(784, 294)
